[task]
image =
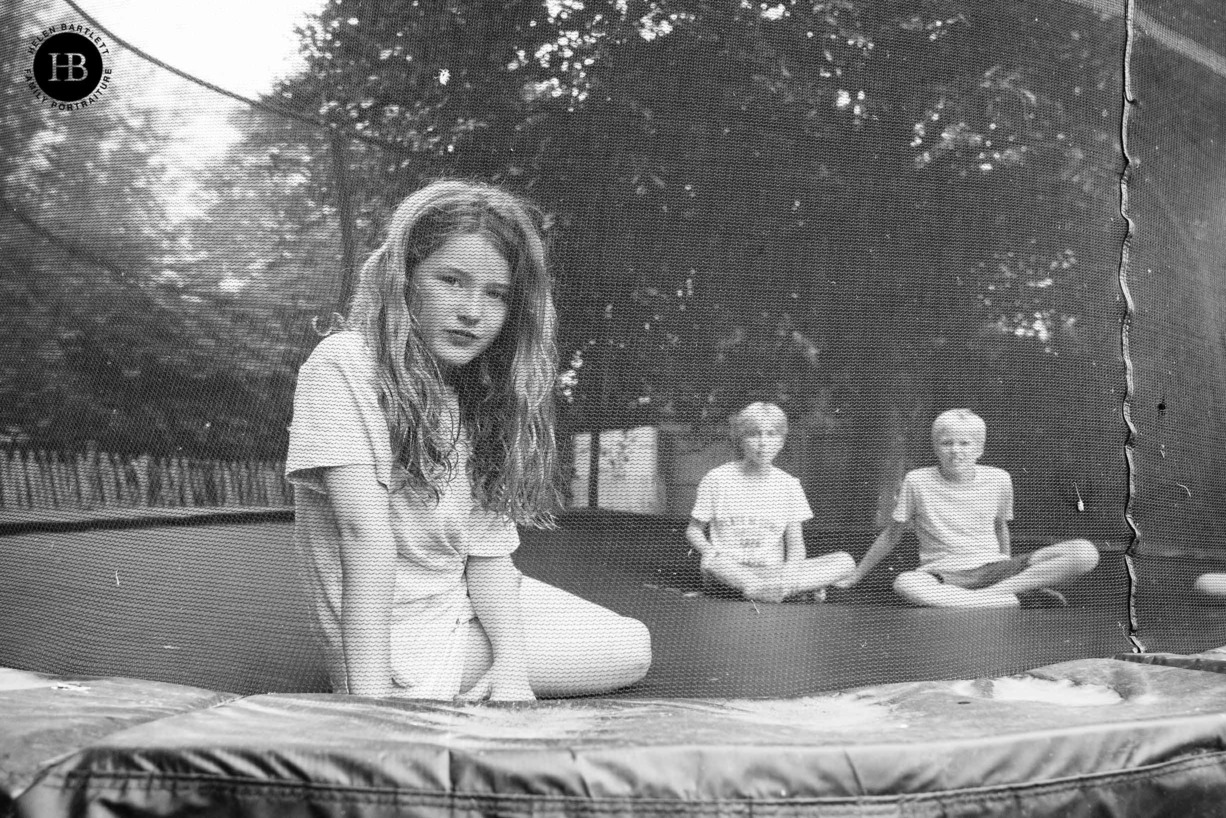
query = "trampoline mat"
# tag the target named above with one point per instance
(219, 607)
(1089, 737)
(888, 710)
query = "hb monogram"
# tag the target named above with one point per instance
(71, 65)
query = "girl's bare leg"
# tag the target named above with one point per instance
(574, 647)
(1212, 584)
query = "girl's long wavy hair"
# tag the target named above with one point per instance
(506, 395)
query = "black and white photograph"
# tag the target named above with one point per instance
(613, 407)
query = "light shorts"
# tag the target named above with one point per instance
(984, 576)
(431, 638)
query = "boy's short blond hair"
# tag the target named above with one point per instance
(758, 415)
(961, 419)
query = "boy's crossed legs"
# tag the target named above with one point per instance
(998, 584)
(774, 583)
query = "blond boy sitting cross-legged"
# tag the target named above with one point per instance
(960, 511)
(747, 516)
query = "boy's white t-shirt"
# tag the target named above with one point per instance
(748, 514)
(955, 522)
(337, 421)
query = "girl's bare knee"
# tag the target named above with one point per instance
(636, 655)
(1083, 554)
(1211, 584)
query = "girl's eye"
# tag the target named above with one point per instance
(501, 295)
(449, 279)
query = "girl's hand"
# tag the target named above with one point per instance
(500, 683)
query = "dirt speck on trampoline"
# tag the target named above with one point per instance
(1031, 689)
(658, 721)
(827, 713)
(485, 723)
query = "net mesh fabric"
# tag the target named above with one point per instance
(866, 218)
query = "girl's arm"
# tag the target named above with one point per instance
(886, 542)
(1002, 534)
(368, 575)
(493, 587)
(794, 543)
(696, 535)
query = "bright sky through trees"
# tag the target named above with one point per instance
(240, 45)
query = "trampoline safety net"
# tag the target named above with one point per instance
(785, 238)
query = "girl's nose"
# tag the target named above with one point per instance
(469, 308)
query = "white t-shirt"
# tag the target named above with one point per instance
(337, 422)
(955, 522)
(749, 513)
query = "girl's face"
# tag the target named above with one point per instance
(463, 290)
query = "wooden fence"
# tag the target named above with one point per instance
(42, 479)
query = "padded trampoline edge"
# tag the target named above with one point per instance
(45, 522)
(923, 749)
(1189, 787)
(1210, 661)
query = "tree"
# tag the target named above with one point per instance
(122, 347)
(747, 202)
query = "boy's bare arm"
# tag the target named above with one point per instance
(793, 542)
(1002, 534)
(886, 542)
(696, 535)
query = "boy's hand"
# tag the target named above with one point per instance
(501, 683)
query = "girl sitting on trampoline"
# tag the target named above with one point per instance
(747, 516)
(961, 511)
(423, 431)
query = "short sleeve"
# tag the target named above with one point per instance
(799, 509)
(1006, 496)
(904, 506)
(337, 420)
(704, 500)
(490, 535)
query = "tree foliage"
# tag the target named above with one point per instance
(127, 336)
(746, 149)
(865, 210)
